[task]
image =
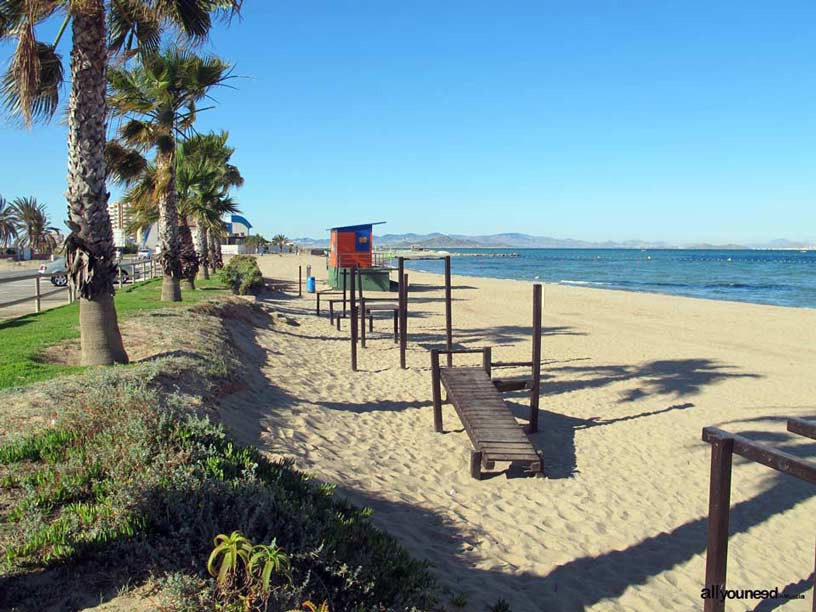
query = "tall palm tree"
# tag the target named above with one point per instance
(30, 89)
(33, 230)
(209, 176)
(158, 100)
(8, 223)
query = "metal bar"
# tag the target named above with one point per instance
(13, 279)
(535, 392)
(719, 501)
(437, 392)
(802, 427)
(448, 314)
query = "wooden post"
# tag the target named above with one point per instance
(119, 273)
(437, 393)
(487, 359)
(448, 313)
(719, 502)
(37, 290)
(317, 293)
(344, 291)
(396, 325)
(535, 392)
(362, 322)
(331, 312)
(353, 296)
(400, 272)
(300, 281)
(353, 334)
(404, 320)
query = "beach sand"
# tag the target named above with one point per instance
(628, 382)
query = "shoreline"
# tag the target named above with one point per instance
(591, 287)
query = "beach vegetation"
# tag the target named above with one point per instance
(242, 275)
(132, 475)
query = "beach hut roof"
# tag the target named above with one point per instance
(348, 228)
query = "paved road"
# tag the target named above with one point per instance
(14, 290)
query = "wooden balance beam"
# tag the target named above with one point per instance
(492, 429)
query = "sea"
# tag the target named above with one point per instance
(781, 278)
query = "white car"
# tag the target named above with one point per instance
(59, 276)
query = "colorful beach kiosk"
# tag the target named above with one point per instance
(352, 245)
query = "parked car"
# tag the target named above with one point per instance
(144, 254)
(59, 275)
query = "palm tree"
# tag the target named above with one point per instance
(208, 177)
(33, 231)
(8, 223)
(280, 241)
(30, 89)
(157, 98)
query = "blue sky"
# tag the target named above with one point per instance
(677, 121)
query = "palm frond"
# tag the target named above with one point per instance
(40, 104)
(123, 164)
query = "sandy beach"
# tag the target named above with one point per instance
(628, 382)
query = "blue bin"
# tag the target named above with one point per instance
(310, 284)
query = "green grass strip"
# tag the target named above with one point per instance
(22, 340)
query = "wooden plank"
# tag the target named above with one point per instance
(803, 427)
(719, 500)
(766, 455)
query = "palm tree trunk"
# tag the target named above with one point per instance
(201, 250)
(189, 260)
(215, 252)
(168, 225)
(89, 248)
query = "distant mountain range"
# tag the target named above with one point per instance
(526, 241)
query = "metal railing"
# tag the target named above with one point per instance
(137, 270)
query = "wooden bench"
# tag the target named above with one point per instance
(493, 430)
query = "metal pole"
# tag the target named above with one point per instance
(719, 501)
(536, 390)
(448, 314)
(37, 289)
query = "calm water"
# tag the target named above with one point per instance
(784, 278)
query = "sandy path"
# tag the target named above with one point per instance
(628, 383)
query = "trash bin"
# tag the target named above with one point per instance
(310, 284)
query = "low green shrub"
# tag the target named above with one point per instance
(242, 275)
(130, 476)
